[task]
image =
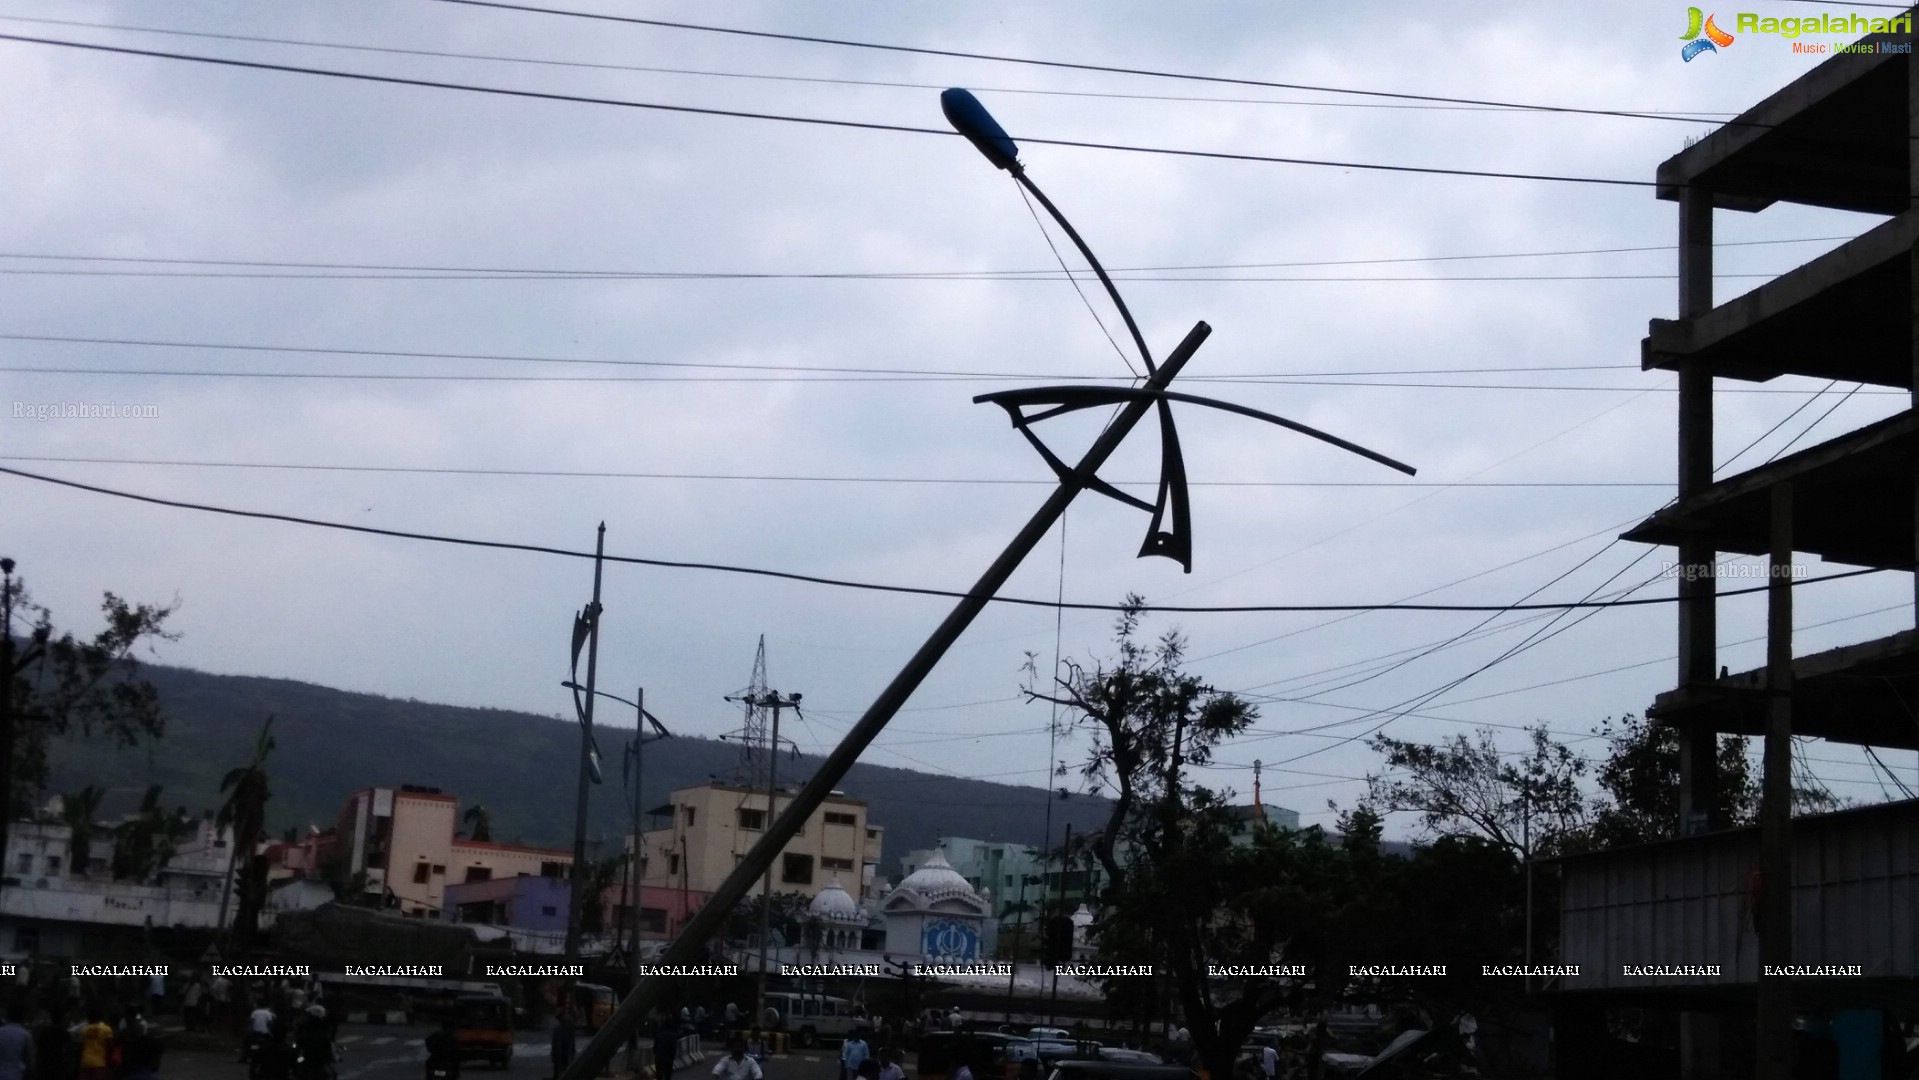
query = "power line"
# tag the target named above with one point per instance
(718, 366)
(1245, 279)
(1048, 274)
(785, 575)
(1068, 65)
(392, 376)
(819, 121)
(814, 79)
(609, 474)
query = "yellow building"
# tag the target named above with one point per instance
(402, 845)
(697, 839)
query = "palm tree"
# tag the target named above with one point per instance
(145, 842)
(245, 810)
(479, 823)
(78, 811)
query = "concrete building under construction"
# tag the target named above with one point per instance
(1692, 927)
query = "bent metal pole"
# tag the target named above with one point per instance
(687, 949)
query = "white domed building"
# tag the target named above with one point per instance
(935, 914)
(839, 918)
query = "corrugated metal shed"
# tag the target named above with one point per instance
(1686, 903)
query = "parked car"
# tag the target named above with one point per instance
(1049, 1034)
(1124, 1056)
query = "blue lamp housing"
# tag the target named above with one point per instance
(971, 119)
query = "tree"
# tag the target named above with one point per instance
(1639, 786)
(245, 810)
(79, 811)
(600, 876)
(144, 842)
(786, 917)
(1147, 719)
(61, 684)
(479, 823)
(1467, 787)
(1174, 879)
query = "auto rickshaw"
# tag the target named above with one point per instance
(593, 1004)
(940, 1054)
(483, 1029)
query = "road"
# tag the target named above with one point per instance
(399, 1053)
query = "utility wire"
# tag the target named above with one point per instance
(1047, 235)
(1701, 117)
(1820, 420)
(1068, 65)
(389, 376)
(210, 275)
(1044, 273)
(607, 474)
(820, 121)
(68, 339)
(260, 515)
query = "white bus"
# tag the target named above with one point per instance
(812, 1017)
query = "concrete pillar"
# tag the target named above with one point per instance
(1698, 631)
(1774, 1041)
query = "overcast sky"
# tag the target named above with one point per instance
(1536, 436)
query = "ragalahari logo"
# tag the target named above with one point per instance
(1715, 39)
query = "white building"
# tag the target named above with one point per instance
(46, 908)
(933, 913)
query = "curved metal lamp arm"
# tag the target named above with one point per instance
(1125, 313)
(1066, 399)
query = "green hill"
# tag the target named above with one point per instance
(332, 742)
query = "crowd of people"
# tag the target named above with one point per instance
(66, 1028)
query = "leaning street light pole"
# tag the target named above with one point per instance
(972, 121)
(586, 629)
(631, 762)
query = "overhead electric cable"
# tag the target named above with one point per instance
(1693, 115)
(1044, 273)
(819, 121)
(1064, 64)
(609, 474)
(676, 564)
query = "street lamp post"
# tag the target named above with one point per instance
(585, 626)
(631, 762)
(972, 121)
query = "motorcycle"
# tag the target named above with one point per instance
(313, 1066)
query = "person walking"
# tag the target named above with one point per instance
(666, 1047)
(895, 1068)
(16, 1045)
(190, 1001)
(219, 992)
(1269, 1062)
(563, 1024)
(732, 1015)
(852, 1052)
(96, 1046)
